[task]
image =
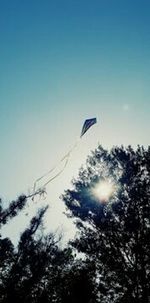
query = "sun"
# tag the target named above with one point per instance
(104, 190)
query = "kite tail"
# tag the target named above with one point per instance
(46, 174)
(65, 157)
(59, 173)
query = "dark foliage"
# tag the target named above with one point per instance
(114, 237)
(12, 210)
(117, 238)
(38, 270)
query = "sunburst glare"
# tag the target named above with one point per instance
(104, 190)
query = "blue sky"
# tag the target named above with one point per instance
(62, 62)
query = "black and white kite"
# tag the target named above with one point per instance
(87, 124)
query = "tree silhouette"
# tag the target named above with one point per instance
(38, 270)
(115, 232)
(12, 210)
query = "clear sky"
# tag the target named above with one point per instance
(62, 62)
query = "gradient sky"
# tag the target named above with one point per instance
(62, 61)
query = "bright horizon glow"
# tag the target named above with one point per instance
(104, 190)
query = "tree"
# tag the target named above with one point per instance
(38, 270)
(28, 273)
(115, 228)
(12, 210)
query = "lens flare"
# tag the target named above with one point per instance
(104, 190)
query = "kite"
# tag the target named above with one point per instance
(87, 124)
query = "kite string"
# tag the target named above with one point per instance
(46, 174)
(59, 173)
(66, 156)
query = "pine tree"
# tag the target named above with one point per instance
(115, 232)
